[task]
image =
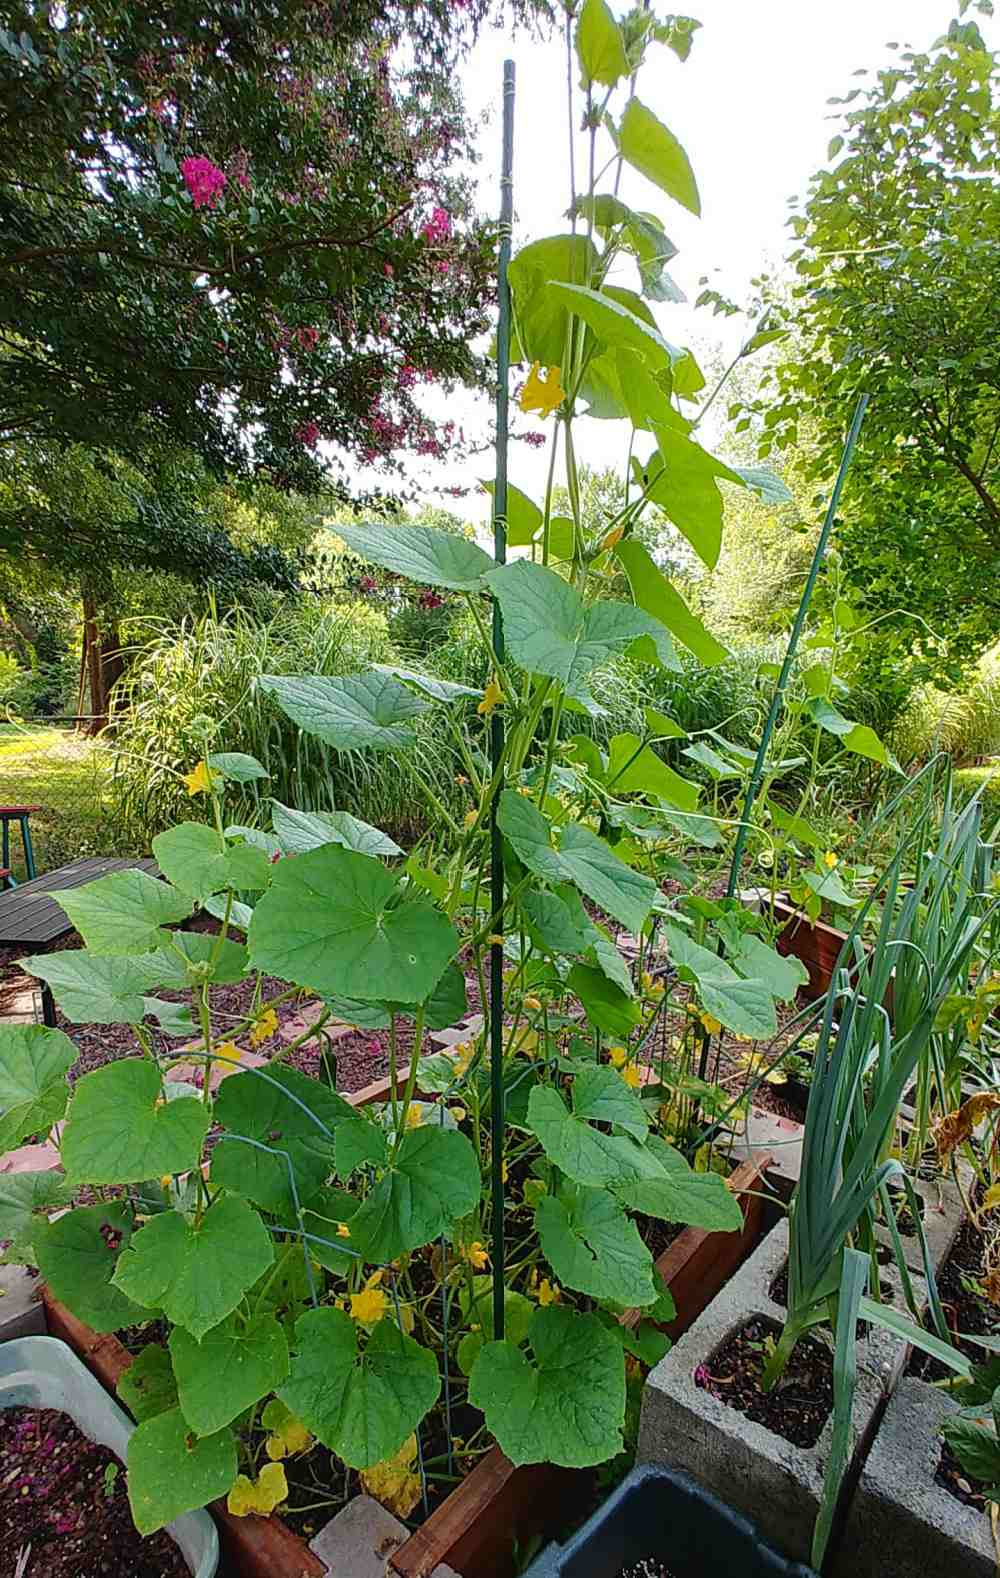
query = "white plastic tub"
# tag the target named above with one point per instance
(41, 1372)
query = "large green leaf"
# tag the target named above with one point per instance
(654, 151)
(233, 1365)
(782, 976)
(422, 553)
(123, 912)
(24, 1199)
(653, 592)
(121, 1130)
(477, 1309)
(428, 684)
(745, 1006)
(523, 516)
(541, 321)
(568, 1406)
(356, 711)
(431, 1182)
(95, 990)
(581, 858)
(294, 1117)
(77, 1254)
(34, 1062)
(444, 1007)
(237, 766)
(614, 324)
(593, 1247)
(679, 1194)
(170, 1473)
(196, 860)
(148, 1387)
(765, 483)
(682, 480)
(362, 1403)
(856, 737)
(300, 831)
(586, 1154)
(552, 922)
(340, 924)
(599, 45)
(550, 631)
(634, 768)
(196, 1272)
(605, 1003)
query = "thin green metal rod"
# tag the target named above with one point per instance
(777, 700)
(498, 1115)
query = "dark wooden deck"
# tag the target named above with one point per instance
(28, 915)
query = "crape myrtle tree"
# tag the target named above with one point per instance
(897, 279)
(234, 230)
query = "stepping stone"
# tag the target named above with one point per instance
(220, 1071)
(359, 1541)
(466, 1031)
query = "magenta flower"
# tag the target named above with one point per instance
(702, 1377)
(308, 434)
(308, 338)
(438, 227)
(204, 180)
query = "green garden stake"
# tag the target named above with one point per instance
(496, 721)
(753, 787)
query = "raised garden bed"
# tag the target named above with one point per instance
(770, 1471)
(474, 1529)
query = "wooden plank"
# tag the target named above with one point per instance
(29, 915)
(473, 1530)
(699, 1262)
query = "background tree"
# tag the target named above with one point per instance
(897, 281)
(229, 231)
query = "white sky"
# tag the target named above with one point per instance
(750, 108)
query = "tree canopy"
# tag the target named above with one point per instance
(236, 227)
(897, 283)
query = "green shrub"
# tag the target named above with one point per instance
(195, 687)
(970, 779)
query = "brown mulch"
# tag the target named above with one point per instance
(798, 1406)
(65, 1497)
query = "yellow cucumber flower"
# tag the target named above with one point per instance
(261, 1495)
(543, 395)
(200, 780)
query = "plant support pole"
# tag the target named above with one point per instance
(753, 787)
(498, 1116)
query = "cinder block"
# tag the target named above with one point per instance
(359, 1541)
(899, 1519)
(22, 1313)
(943, 1216)
(778, 1485)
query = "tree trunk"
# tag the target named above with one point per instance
(102, 661)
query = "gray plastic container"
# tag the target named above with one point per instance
(41, 1372)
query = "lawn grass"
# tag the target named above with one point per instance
(66, 774)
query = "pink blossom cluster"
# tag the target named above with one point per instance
(306, 338)
(536, 440)
(430, 600)
(203, 179)
(308, 434)
(438, 227)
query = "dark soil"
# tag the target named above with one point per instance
(965, 1310)
(59, 1495)
(649, 1567)
(799, 1405)
(951, 1476)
